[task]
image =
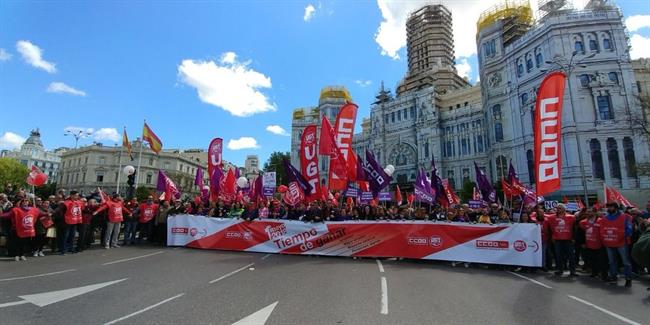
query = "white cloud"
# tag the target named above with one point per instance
(61, 88)
(640, 46)
(4, 55)
(229, 84)
(391, 34)
(33, 55)
(101, 134)
(276, 129)
(309, 12)
(243, 143)
(363, 83)
(10, 140)
(637, 22)
(463, 68)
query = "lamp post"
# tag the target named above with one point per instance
(77, 134)
(568, 68)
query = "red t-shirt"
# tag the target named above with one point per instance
(592, 234)
(561, 227)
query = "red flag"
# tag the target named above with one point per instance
(597, 205)
(350, 201)
(449, 192)
(398, 195)
(36, 177)
(309, 162)
(508, 190)
(327, 146)
(343, 132)
(612, 195)
(229, 185)
(154, 142)
(351, 164)
(548, 132)
(364, 186)
(410, 198)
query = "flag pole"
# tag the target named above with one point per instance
(119, 168)
(137, 179)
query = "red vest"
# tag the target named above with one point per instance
(562, 227)
(23, 221)
(73, 212)
(147, 212)
(46, 221)
(592, 234)
(612, 233)
(115, 211)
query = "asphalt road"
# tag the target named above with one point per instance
(157, 285)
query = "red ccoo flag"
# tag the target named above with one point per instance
(398, 195)
(612, 195)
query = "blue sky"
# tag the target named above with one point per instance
(202, 69)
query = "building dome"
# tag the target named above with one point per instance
(34, 139)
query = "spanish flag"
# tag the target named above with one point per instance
(149, 136)
(127, 144)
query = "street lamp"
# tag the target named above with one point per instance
(568, 68)
(77, 134)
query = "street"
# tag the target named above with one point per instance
(155, 285)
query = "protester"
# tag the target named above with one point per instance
(615, 230)
(161, 223)
(42, 224)
(71, 209)
(23, 230)
(561, 225)
(594, 256)
(115, 208)
(147, 213)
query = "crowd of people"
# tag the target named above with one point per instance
(601, 238)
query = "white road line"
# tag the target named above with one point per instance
(145, 309)
(531, 280)
(231, 273)
(384, 296)
(37, 275)
(381, 267)
(133, 258)
(14, 303)
(613, 314)
(265, 256)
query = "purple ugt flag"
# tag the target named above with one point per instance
(436, 182)
(376, 176)
(512, 175)
(162, 185)
(215, 182)
(294, 175)
(198, 179)
(484, 185)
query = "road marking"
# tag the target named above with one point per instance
(265, 256)
(613, 314)
(37, 275)
(531, 280)
(47, 298)
(133, 258)
(259, 317)
(145, 309)
(384, 296)
(232, 273)
(381, 267)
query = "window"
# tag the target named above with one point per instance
(180, 167)
(531, 166)
(479, 143)
(150, 161)
(529, 63)
(607, 44)
(464, 147)
(101, 160)
(593, 45)
(413, 112)
(148, 179)
(524, 98)
(426, 150)
(117, 174)
(86, 160)
(630, 159)
(406, 114)
(448, 149)
(465, 175)
(166, 164)
(100, 177)
(584, 80)
(489, 49)
(539, 59)
(76, 178)
(386, 119)
(579, 47)
(392, 117)
(605, 107)
(613, 77)
(596, 159)
(452, 179)
(502, 167)
(612, 155)
(498, 132)
(399, 115)
(520, 70)
(496, 111)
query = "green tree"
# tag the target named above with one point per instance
(467, 191)
(11, 171)
(141, 193)
(274, 164)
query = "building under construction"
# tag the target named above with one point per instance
(516, 17)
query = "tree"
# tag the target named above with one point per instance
(274, 164)
(11, 171)
(141, 193)
(467, 191)
(640, 123)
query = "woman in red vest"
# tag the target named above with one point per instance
(594, 255)
(615, 230)
(23, 218)
(561, 225)
(116, 209)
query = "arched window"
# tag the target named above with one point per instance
(502, 167)
(596, 159)
(612, 155)
(498, 132)
(579, 47)
(630, 159)
(529, 62)
(496, 111)
(539, 59)
(520, 68)
(531, 166)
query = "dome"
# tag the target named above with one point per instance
(34, 139)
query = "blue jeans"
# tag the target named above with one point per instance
(68, 238)
(613, 266)
(129, 232)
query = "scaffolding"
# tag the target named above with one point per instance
(516, 17)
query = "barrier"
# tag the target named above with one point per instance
(513, 244)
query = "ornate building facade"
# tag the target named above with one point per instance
(33, 153)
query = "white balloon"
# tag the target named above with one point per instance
(242, 182)
(207, 188)
(129, 170)
(389, 170)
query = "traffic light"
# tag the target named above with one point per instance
(131, 179)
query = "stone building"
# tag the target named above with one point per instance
(86, 168)
(591, 47)
(33, 153)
